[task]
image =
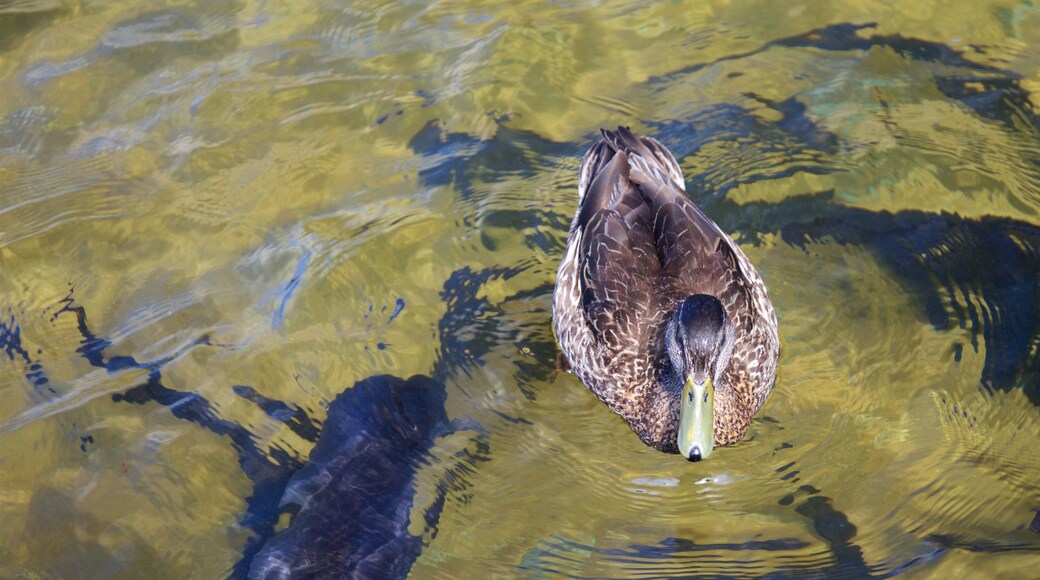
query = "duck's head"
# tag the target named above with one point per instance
(699, 339)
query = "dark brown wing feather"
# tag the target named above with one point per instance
(617, 259)
(645, 245)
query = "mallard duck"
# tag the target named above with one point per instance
(657, 311)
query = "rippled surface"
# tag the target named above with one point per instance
(206, 206)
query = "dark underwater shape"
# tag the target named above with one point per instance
(795, 136)
(355, 493)
(981, 274)
(992, 92)
(460, 159)
(11, 344)
(466, 162)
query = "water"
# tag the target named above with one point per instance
(294, 199)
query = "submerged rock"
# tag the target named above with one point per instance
(356, 491)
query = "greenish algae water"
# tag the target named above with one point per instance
(248, 191)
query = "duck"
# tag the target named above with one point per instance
(657, 311)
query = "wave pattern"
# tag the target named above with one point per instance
(271, 212)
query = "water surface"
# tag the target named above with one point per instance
(295, 198)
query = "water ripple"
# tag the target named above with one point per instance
(333, 192)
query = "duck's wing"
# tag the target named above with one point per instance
(690, 248)
(617, 261)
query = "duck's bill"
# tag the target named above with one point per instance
(696, 419)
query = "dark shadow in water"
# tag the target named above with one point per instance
(11, 345)
(983, 546)
(993, 93)
(472, 326)
(352, 499)
(680, 557)
(465, 162)
(795, 136)
(977, 274)
(354, 496)
(469, 328)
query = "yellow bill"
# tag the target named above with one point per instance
(696, 417)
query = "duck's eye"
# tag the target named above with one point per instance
(705, 396)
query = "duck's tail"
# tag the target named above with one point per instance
(620, 166)
(650, 162)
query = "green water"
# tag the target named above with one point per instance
(247, 191)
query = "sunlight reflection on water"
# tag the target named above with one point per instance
(258, 206)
